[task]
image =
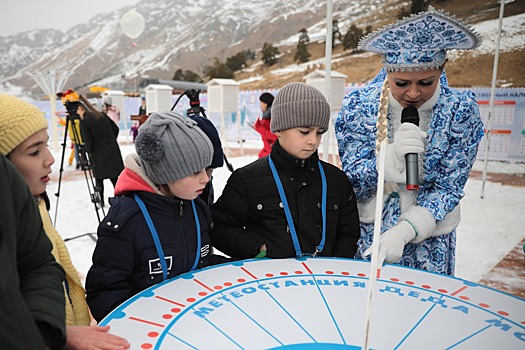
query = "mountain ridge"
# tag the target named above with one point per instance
(190, 35)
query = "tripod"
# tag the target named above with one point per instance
(73, 120)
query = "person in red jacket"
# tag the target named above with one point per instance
(262, 125)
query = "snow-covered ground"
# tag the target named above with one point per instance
(489, 229)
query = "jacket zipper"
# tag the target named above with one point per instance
(181, 213)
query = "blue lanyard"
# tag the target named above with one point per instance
(156, 239)
(288, 214)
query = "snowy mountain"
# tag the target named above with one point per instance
(178, 34)
(190, 34)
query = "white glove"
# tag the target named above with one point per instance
(407, 139)
(392, 243)
(421, 220)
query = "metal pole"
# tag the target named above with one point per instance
(328, 77)
(492, 93)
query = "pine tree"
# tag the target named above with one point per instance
(192, 76)
(352, 36)
(250, 55)
(179, 75)
(187, 75)
(336, 33)
(301, 54)
(237, 61)
(269, 54)
(218, 70)
(417, 6)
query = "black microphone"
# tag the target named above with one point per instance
(411, 115)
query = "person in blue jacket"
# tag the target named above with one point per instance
(157, 227)
(419, 226)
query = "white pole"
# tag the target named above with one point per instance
(239, 132)
(54, 128)
(328, 77)
(52, 100)
(223, 133)
(374, 270)
(49, 85)
(124, 117)
(492, 93)
(62, 81)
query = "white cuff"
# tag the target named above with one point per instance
(449, 223)
(367, 210)
(421, 220)
(394, 170)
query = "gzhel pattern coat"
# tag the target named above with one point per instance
(452, 121)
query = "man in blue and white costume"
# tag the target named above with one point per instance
(418, 227)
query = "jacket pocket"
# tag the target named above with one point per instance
(268, 209)
(153, 266)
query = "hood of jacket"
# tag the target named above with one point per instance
(133, 178)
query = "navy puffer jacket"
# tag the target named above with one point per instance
(125, 260)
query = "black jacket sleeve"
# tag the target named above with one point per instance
(231, 217)
(348, 229)
(108, 282)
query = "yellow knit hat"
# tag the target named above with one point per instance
(18, 121)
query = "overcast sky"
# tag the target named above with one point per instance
(22, 15)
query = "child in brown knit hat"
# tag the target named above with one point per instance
(290, 203)
(24, 142)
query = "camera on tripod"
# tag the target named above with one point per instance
(70, 100)
(195, 103)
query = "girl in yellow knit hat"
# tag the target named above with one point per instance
(24, 142)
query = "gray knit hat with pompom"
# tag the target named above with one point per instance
(171, 147)
(299, 105)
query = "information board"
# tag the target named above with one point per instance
(507, 125)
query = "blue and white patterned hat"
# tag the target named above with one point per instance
(421, 41)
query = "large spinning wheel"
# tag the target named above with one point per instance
(318, 303)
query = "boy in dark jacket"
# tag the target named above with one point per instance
(290, 203)
(162, 182)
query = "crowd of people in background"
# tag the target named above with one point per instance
(287, 203)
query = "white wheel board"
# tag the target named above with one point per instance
(317, 303)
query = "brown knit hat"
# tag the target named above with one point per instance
(18, 121)
(299, 105)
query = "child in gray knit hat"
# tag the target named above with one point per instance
(157, 226)
(289, 203)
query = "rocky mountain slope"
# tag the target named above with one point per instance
(190, 34)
